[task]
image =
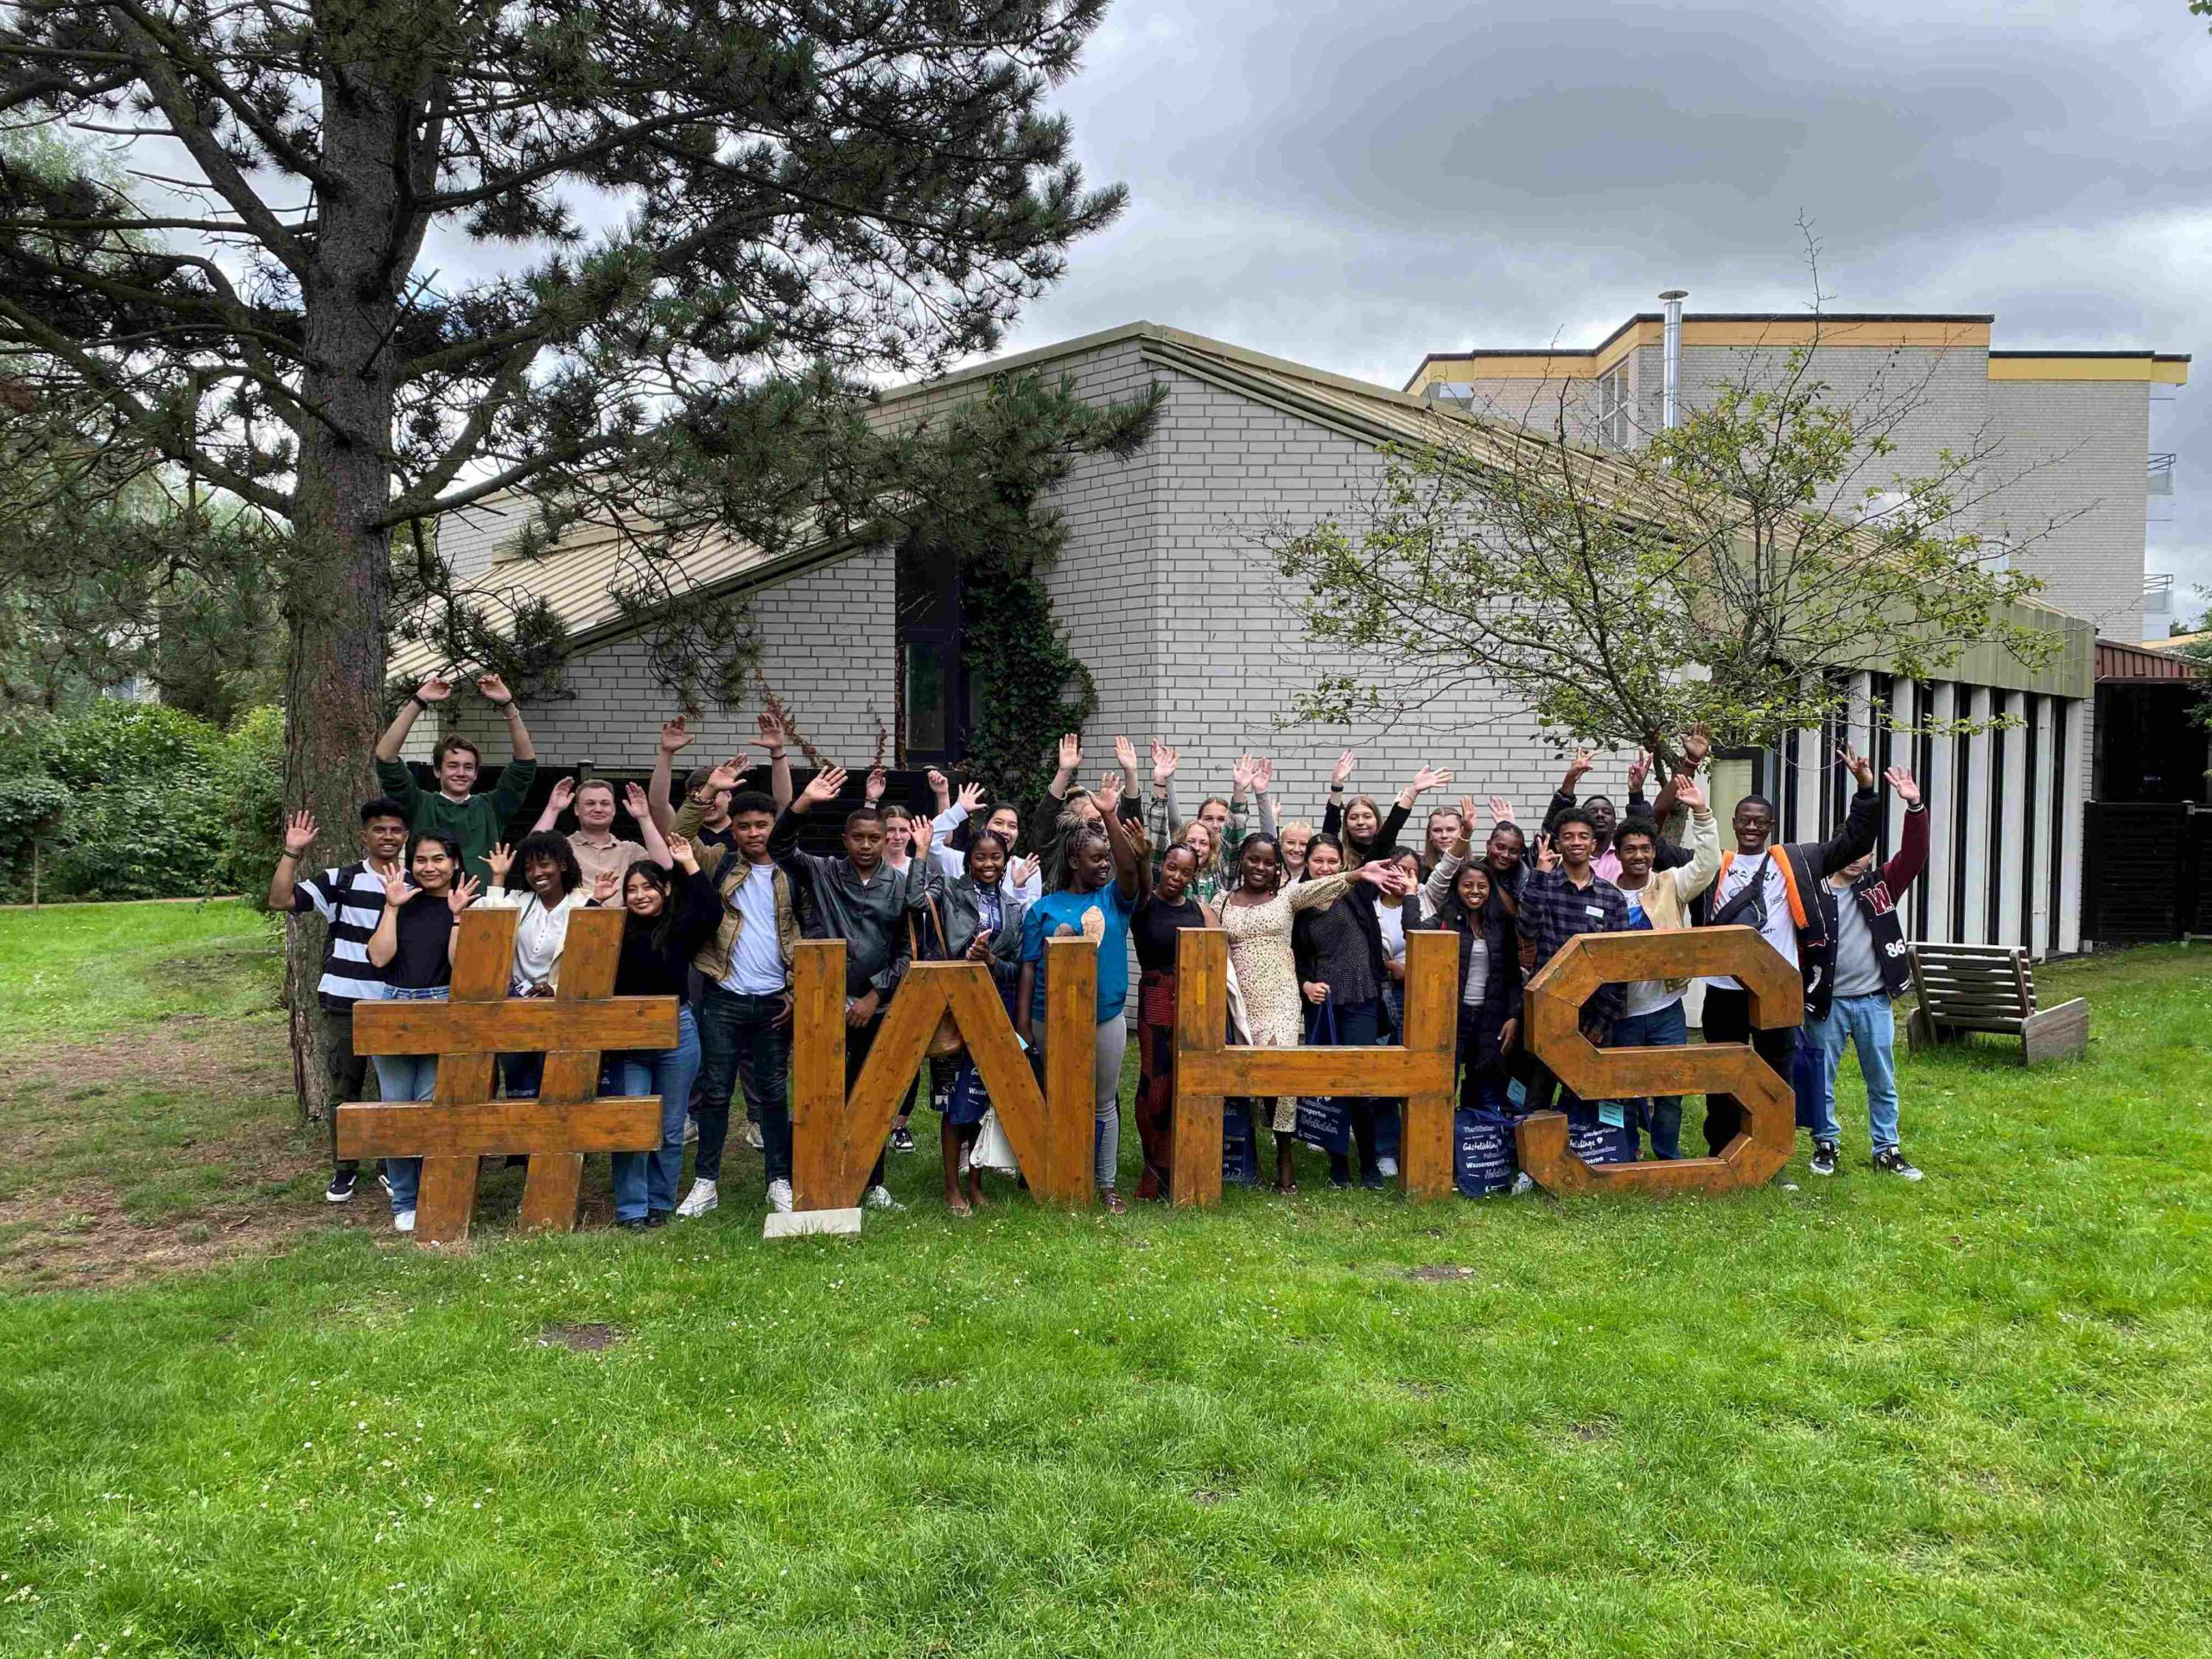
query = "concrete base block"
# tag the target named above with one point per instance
(796, 1223)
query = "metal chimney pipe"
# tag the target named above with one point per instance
(1672, 355)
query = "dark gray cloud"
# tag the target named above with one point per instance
(1356, 186)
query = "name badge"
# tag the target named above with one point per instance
(1598, 910)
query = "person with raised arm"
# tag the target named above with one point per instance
(858, 900)
(477, 821)
(1096, 903)
(553, 889)
(1566, 896)
(349, 899)
(413, 945)
(953, 825)
(666, 919)
(1258, 915)
(1770, 887)
(596, 845)
(745, 1006)
(1852, 977)
(1659, 901)
(1358, 823)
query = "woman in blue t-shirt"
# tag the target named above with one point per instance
(1096, 904)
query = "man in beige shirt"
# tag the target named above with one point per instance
(597, 847)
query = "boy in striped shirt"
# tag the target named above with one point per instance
(350, 899)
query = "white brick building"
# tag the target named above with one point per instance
(1168, 596)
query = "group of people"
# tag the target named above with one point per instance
(717, 892)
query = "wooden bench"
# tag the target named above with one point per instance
(1965, 987)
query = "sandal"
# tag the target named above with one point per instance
(961, 1207)
(1113, 1202)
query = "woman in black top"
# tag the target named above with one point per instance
(1161, 915)
(1342, 971)
(413, 943)
(1489, 984)
(671, 914)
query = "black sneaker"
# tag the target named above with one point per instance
(902, 1140)
(632, 1225)
(340, 1190)
(1823, 1158)
(657, 1218)
(1891, 1161)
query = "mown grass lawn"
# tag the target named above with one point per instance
(1855, 1417)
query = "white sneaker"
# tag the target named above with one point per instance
(753, 1135)
(1386, 1165)
(879, 1198)
(690, 1131)
(700, 1198)
(1523, 1183)
(779, 1196)
(402, 1221)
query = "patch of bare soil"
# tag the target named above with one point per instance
(78, 1227)
(582, 1338)
(78, 1230)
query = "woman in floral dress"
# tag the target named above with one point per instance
(1256, 915)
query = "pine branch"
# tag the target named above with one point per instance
(785, 716)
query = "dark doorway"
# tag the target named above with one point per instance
(933, 686)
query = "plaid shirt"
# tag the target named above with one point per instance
(1554, 910)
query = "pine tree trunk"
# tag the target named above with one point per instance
(340, 582)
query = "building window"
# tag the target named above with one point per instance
(1613, 407)
(932, 702)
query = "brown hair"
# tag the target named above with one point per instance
(448, 743)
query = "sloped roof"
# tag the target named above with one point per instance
(577, 578)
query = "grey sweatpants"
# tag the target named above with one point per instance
(1106, 1096)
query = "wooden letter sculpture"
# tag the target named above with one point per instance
(460, 1121)
(1421, 1070)
(836, 1138)
(1554, 1001)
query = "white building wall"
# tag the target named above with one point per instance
(2077, 452)
(826, 647)
(1231, 473)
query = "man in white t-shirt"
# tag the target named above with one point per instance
(745, 1016)
(1769, 886)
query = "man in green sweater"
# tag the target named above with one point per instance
(478, 822)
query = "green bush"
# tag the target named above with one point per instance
(250, 776)
(115, 742)
(134, 800)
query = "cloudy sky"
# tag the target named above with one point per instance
(1356, 185)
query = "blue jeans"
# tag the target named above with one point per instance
(646, 1180)
(1865, 1022)
(407, 1077)
(745, 1039)
(520, 1075)
(1659, 1115)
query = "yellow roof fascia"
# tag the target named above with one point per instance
(2144, 368)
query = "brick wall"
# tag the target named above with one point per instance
(826, 647)
(1230, 653)
(2078, 450)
